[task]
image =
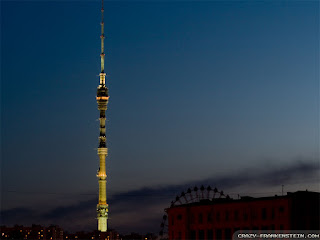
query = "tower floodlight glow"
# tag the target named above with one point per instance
(102, 100)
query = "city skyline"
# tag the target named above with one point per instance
(225, 93)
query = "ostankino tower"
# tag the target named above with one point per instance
(102, 100)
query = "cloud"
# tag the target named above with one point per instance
(141, 210)
(23, 214)
(70, 210)
(269, 176)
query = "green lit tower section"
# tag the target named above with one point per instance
(102, 100)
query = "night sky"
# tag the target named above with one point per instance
(216, 92)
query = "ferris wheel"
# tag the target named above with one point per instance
(192, 195)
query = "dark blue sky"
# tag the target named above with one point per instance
(197, 89)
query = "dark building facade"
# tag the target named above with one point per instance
(220, 218)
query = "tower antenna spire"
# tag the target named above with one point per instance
(102, 54)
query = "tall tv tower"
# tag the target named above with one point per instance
(102, 100)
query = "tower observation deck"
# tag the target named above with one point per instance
(102, 100)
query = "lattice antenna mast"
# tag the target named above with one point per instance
(102, 55)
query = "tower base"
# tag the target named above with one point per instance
(102, 210)
(102, 224)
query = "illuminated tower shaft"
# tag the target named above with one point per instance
(102, 100)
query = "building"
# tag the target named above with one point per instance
(53, 232)
(94, 235)
(35, 232)
(220, 218)
(102, 100)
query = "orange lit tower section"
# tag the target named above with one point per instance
(102, 100)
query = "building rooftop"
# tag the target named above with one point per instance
(214, 201)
